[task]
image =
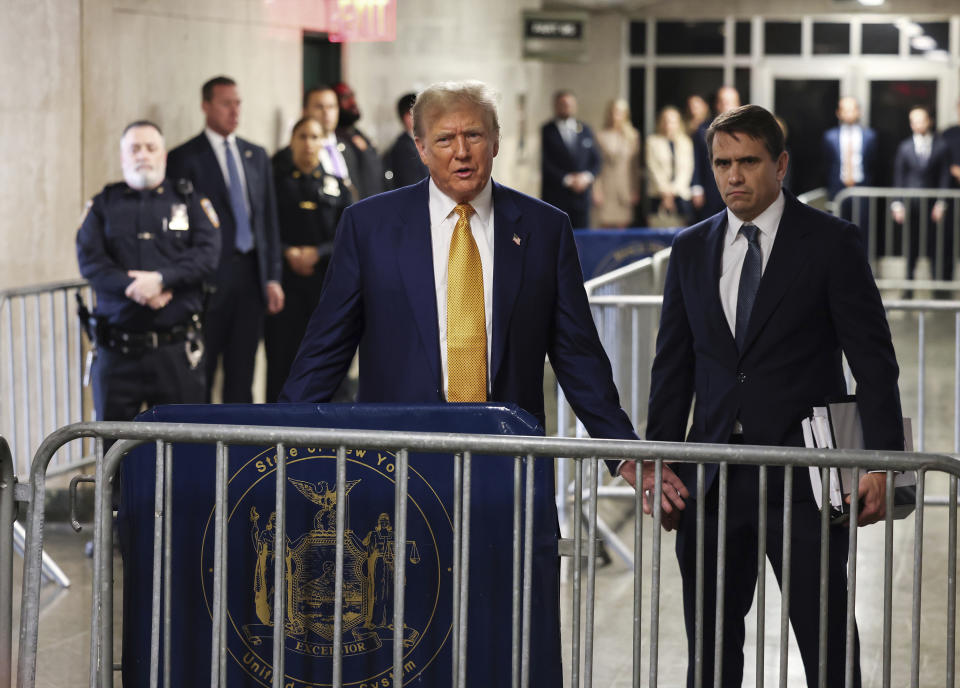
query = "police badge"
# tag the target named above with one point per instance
(179, 222)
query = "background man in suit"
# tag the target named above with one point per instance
(849, 150)
(569, 161)
(236, 176)
(703, 189)
(923, 162)
(401, 164)
(951, 136)
(760, 302)
(368, 177)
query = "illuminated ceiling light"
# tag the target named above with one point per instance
(871, 3)
(923, 43)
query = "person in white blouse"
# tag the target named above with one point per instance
(669, 168)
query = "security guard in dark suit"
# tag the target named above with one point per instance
(146, 246)
(310, 201)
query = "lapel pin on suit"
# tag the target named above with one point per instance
(248, 154)
(516, 239)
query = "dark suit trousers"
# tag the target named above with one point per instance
(284, 331)
(741, 576)
(233, 325)
(916, 212)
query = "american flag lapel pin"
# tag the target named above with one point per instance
(516, 239)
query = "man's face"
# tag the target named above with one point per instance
(223, 109)
(459, 150)
(728, 98)
(848, 111)
(349, 110)
(143, 158)
(747, 177)
(919, 122)
(565, 106)
(323, 107)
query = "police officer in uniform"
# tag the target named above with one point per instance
(310, 201)
(146, 246)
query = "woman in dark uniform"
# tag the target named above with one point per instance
(309, 205)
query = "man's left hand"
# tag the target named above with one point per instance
(873, 498)
(274, 298)
(145, 287)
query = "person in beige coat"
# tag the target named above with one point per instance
(669, 171)
(617, 188)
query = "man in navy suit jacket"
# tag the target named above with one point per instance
(569, 161)
(755, 373)
(385, 290)
(849, 140)
(248, 277)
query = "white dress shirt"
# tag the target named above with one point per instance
(442, 223)
(851, 142)
(330, 165)
(735, 249)
(217, 143)
(922, 145)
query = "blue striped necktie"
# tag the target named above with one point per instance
(244, 236)
(749, 281)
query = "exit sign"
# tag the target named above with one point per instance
(355, 21)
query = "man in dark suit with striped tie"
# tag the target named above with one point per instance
(236, 176)
(760, 303)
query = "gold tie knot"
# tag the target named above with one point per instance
(464, 211)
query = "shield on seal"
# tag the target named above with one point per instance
(312, 580)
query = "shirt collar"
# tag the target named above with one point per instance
(218, 139)
(441, 205)
(568, 122)
(329, 140)
(767, 222)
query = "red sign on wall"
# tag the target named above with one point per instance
(352, 21)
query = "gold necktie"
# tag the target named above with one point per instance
(466, 320)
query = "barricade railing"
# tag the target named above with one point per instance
(585, 454)
(41, 367)
(891, 246)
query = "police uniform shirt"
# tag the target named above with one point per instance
(164, 229)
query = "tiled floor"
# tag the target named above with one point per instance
(64, 639)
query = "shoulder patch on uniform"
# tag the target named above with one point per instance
(86, 210)
(211, 213)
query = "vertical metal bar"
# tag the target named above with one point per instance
(280, 567)
(655, 572)
(106, 594)
(785, 573)
(167, 564)
(72, 382)
(721, 575)
(38, 357)
(24, 367)
(577, 568)
(339, 559)
(852, 579)
(465, 573)
(12, 389)
(824, 575)
(635, 367)
(921, 387)
(400, 564)
(457, 526)
(637, 571)
(698, 606)
(951, 580)
(517, 554)
(917, 580)
(100, 507)
(7, 507)
(591, 572)
(219, 525)
(54, 376)
(888, 582)
(563, 465)
(157, 565)
(528, 580)
(761, 571)
(956, 380)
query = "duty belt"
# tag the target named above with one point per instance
(126, 341)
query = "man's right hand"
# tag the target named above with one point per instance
(674, 491)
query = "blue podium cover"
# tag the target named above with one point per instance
(369, 633)
(604, 250)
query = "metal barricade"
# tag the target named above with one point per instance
(892, 245)
(41, 367)
(584, 454)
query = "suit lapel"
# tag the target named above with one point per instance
(415, 257)
(786, 259)
(213, 170)
(509, 246)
